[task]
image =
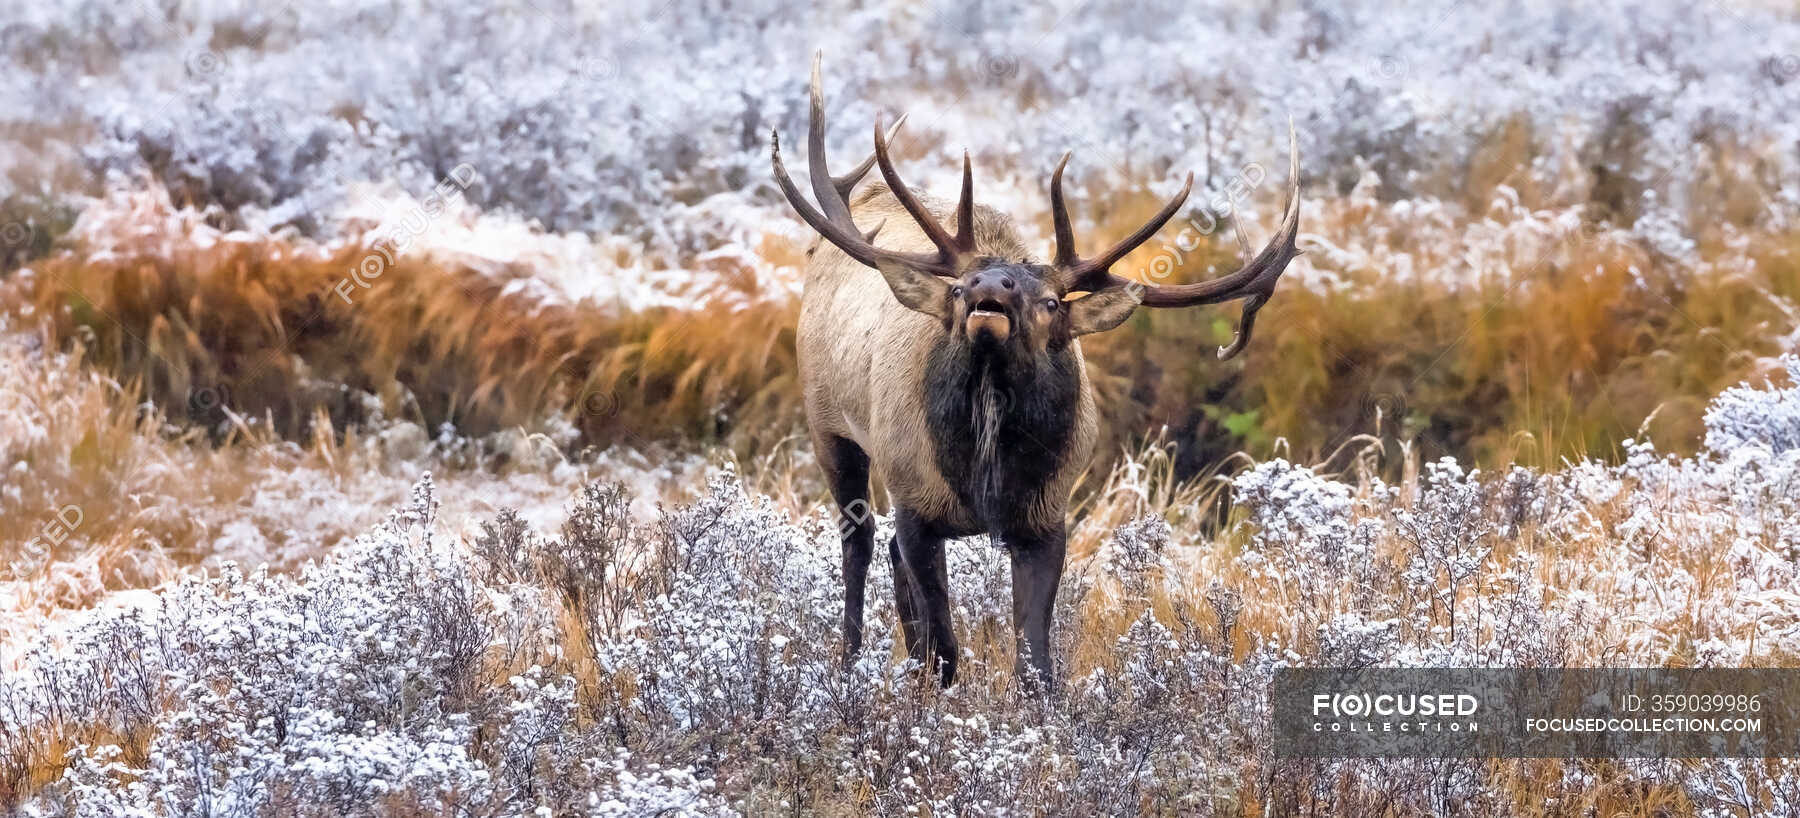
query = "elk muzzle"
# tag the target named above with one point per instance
(992, 300)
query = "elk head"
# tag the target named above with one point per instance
(1031, 307)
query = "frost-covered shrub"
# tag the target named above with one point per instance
(1353, 640)
(1449, 529)
(1529, 628)
(1747, 416)
(595, 566)
(1527, 498)
(743, 630)
(690, 664)
(1167, 724)
(358, 682)
(652, 791)
(638, 119)
(1294, 508)
(1305, 526)
(1134, 554)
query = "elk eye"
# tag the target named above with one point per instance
(1050, 304)
(956, 292)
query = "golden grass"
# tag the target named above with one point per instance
(1558, 345)
(150, 497)
(255, 327)
(1518, 335)
(50, 759)
(142, 492)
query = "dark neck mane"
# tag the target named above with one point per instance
(1001, 427)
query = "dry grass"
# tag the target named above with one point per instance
(1529, 337)
(150, 496)
(1510, 334)
(221, 325)
(81, 443)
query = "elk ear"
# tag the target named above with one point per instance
(1103, 310)
(918, 290)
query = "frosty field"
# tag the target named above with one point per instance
(400, 415)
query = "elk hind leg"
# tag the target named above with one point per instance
(847, 473)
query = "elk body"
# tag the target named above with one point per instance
(948, 364)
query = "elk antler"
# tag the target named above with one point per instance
(1255, 281)
(835, 224)
(952, 248)
(1092, 274)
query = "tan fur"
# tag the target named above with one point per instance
(863, 358)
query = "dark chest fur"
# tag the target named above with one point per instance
(1001, 429)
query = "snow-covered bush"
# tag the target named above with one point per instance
(644, 119)
(1747, 416)
(371, 681)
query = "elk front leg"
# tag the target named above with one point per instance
(906, 599)
(1037, 565)
(922, 593)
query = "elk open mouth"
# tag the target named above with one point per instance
(988, 317)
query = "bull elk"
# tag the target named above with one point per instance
(949, 362)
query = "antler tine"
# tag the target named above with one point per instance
(1237, 228)
(946, 245)
(847, 182)
(1095, 270)
(848, 239)
(965, 211)
(1241, 338)
(824, 187)
(1059, 214)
